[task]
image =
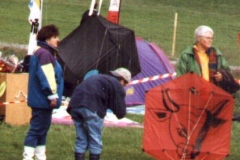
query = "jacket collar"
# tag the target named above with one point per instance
(190, 50)
(46, 46)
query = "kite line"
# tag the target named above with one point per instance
(195, 126)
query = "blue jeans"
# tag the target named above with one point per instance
(88, 127)
(39, 125)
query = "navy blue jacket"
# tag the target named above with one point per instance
(41, 86)
(99, 93)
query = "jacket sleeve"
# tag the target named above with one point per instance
(118, 104)
(224, 64)
(49, 73)
(181, 65)
(47, 76)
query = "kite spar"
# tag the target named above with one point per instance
(174, 34)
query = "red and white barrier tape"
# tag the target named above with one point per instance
(153, 78)
(12, 102)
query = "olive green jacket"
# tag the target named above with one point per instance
(187, 62)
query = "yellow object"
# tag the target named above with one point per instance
(204, 60)
(2, 88)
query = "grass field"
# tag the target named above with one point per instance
(151, 19)
(119, 143)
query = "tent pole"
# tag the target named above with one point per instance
(174, 34)
(239, 44)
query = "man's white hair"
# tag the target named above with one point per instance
(201, 30)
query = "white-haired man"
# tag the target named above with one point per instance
(206, 61)
(88, 105)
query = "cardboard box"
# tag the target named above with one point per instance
(15, 109)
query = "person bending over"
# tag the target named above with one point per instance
(88, 106)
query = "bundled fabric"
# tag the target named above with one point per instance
(228, 83)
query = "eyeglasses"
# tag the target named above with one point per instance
(208, 38)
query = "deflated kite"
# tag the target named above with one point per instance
(97, 44)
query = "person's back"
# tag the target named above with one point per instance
(98, 93)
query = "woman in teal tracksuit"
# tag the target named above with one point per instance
(45, 88)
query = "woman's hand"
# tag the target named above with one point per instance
(53, 103)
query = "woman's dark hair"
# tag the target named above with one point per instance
(47, 32)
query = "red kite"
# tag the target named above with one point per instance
(188, 118)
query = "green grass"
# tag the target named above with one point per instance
(118, 143)
(151, 19)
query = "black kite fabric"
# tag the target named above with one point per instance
(97, 44)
